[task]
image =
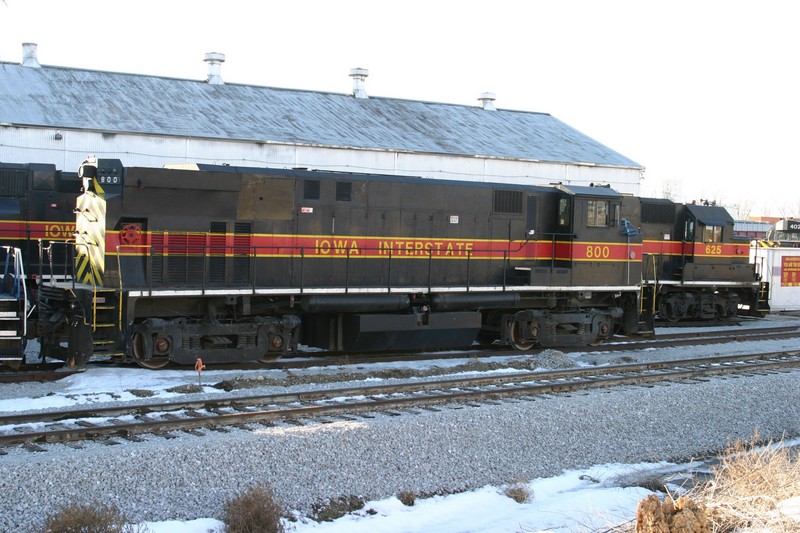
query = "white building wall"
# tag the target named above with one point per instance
(42, 145)
(781, 268)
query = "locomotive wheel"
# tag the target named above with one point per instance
(276, 343)
(670, 318)
(152, 364)
(137, 344)
(665, 314)
(515, 339)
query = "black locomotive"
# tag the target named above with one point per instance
(243, 264)
(694, 266)
(37, 204)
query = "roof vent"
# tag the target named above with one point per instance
(215, 61)
(29, 58)
(487, 101)
(359, 76)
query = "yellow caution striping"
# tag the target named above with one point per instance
(90, 239)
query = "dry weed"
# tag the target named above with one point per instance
(747, 485)
(407, 497)
(333, 508)
(256, 510)
(519, 492)
(88, 518)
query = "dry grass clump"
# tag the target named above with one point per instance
(519, 492)
(331, 509)
(407, 497)
(88, 518)
(748, 485)
(255, 510)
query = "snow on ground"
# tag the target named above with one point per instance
(575, 501)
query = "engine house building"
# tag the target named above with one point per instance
(59, 115)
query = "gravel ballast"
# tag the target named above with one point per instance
(449, 449)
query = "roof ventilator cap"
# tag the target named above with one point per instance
(487, 101)
(215, 61)
(359, 76)
(29, 59)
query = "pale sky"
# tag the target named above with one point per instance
(703, 94)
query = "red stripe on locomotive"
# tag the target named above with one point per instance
(366, 247)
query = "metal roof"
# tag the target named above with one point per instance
(112, 102)
(710, 215)
(582, 190)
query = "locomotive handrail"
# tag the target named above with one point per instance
(469, 268)
(566, 235)
(14, 281)
(505, 270)
(652, 259)
(69, 270)
(302, 270)
(67, 266)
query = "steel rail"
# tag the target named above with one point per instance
(438, 392)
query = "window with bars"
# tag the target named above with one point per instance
(13, 183)
(508, 202)
(344, 191)
(311, 190)
(658, 213)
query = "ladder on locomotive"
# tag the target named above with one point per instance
(647, 296)
(763, 298)
(14, 305)
(106, 321)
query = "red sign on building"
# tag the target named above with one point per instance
(790, 271)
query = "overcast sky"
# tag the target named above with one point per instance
(703, 94)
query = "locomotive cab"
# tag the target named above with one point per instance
(710, 246)
(587, 237)
(784, 233)
(694, 267)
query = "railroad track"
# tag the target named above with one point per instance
(131, 422)
(620, 344)
(54, 371)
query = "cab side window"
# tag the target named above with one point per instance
(564, 213)
(688, 230)
(601, 213)
(712, 234)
